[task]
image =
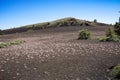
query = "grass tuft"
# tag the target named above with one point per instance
(116, 71)
(14, 42)
(110, 36)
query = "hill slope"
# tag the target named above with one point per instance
(69, 21)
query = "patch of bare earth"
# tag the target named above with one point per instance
(56, 54)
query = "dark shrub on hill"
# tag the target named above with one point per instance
(95, 20)
(86, 24)
(0, 31)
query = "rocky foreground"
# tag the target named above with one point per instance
(56, 54)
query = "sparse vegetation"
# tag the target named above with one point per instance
(14, 42)
(110, 36)
(84, 34)
(116, 71)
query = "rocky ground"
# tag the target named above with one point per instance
(56, 54)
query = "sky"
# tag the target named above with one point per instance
(16, 13)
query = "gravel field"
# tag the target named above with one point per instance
(56, 54)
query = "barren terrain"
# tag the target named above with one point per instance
(56, 54)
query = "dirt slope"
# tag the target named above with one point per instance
(55, 54)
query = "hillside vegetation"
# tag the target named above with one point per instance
(69, 21)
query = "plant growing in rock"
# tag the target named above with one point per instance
(110, 36)
(116, 71)
(84, 34)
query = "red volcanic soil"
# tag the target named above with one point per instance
(56, 54)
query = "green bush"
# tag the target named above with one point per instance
(84, 34)
(110, 36)
(116, 71)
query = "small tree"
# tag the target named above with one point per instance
(84, 34)
(111, 35)
(117, 28)
(95, 20)
(0, 32)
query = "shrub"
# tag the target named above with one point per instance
(0, 31)
(84, 34)
(117, 28)
(116, 71)
(95, 20)
(110, 36)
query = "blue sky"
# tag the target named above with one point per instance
(15, 13)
